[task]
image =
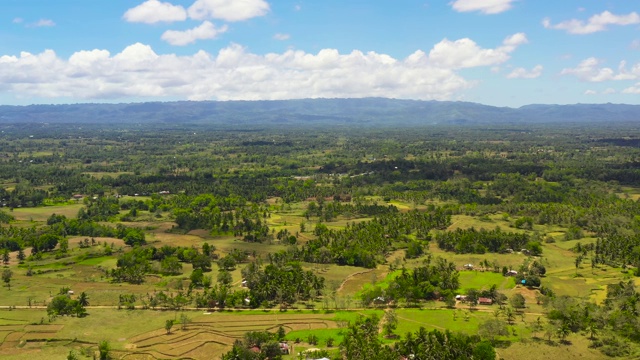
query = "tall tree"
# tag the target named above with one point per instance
(6, 277)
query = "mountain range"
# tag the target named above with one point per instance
(361, 112)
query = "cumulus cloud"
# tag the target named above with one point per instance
(596, 23)
(465, 53)
(154, 11)
(484, 6)
(203, 32)
(281, 37)
(609, 91)
(228, 10)
(235, 73)
(18, 20)
(590, 70)
(590, 92)
(522, 73)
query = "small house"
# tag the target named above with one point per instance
(462, 298)
(380, 300)
(485, 301)
(468, 266)
(511, 273)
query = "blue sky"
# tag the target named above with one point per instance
(497, 52)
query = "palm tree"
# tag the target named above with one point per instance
(83, 299)
(510, 315)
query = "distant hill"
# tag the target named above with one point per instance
(367, 112)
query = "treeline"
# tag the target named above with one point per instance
(362, 342)
(615, 248)
(45, 238)
(328, 211)
(431, 281)
(226, 215)
(132, 266)
(366, 243)
(281, 282)
(474, 241)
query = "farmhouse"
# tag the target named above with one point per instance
(511, 273)
(485, 301)
(468, 266)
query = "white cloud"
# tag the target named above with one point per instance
(632, 90)
(598, 22)
(154, 11)
(522, 73)
(203, 32)
(590, 92)
(609, 91)
(635, 44)
(465, 53)
(234, 73)
(590, 70)
(18, 20)
(484, 6)
(228, 10)
(43, 23)
(280, 36)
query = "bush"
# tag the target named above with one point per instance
(614, 347)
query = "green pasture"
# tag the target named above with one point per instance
(42, 213)
(410, 320)
(484, 279)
